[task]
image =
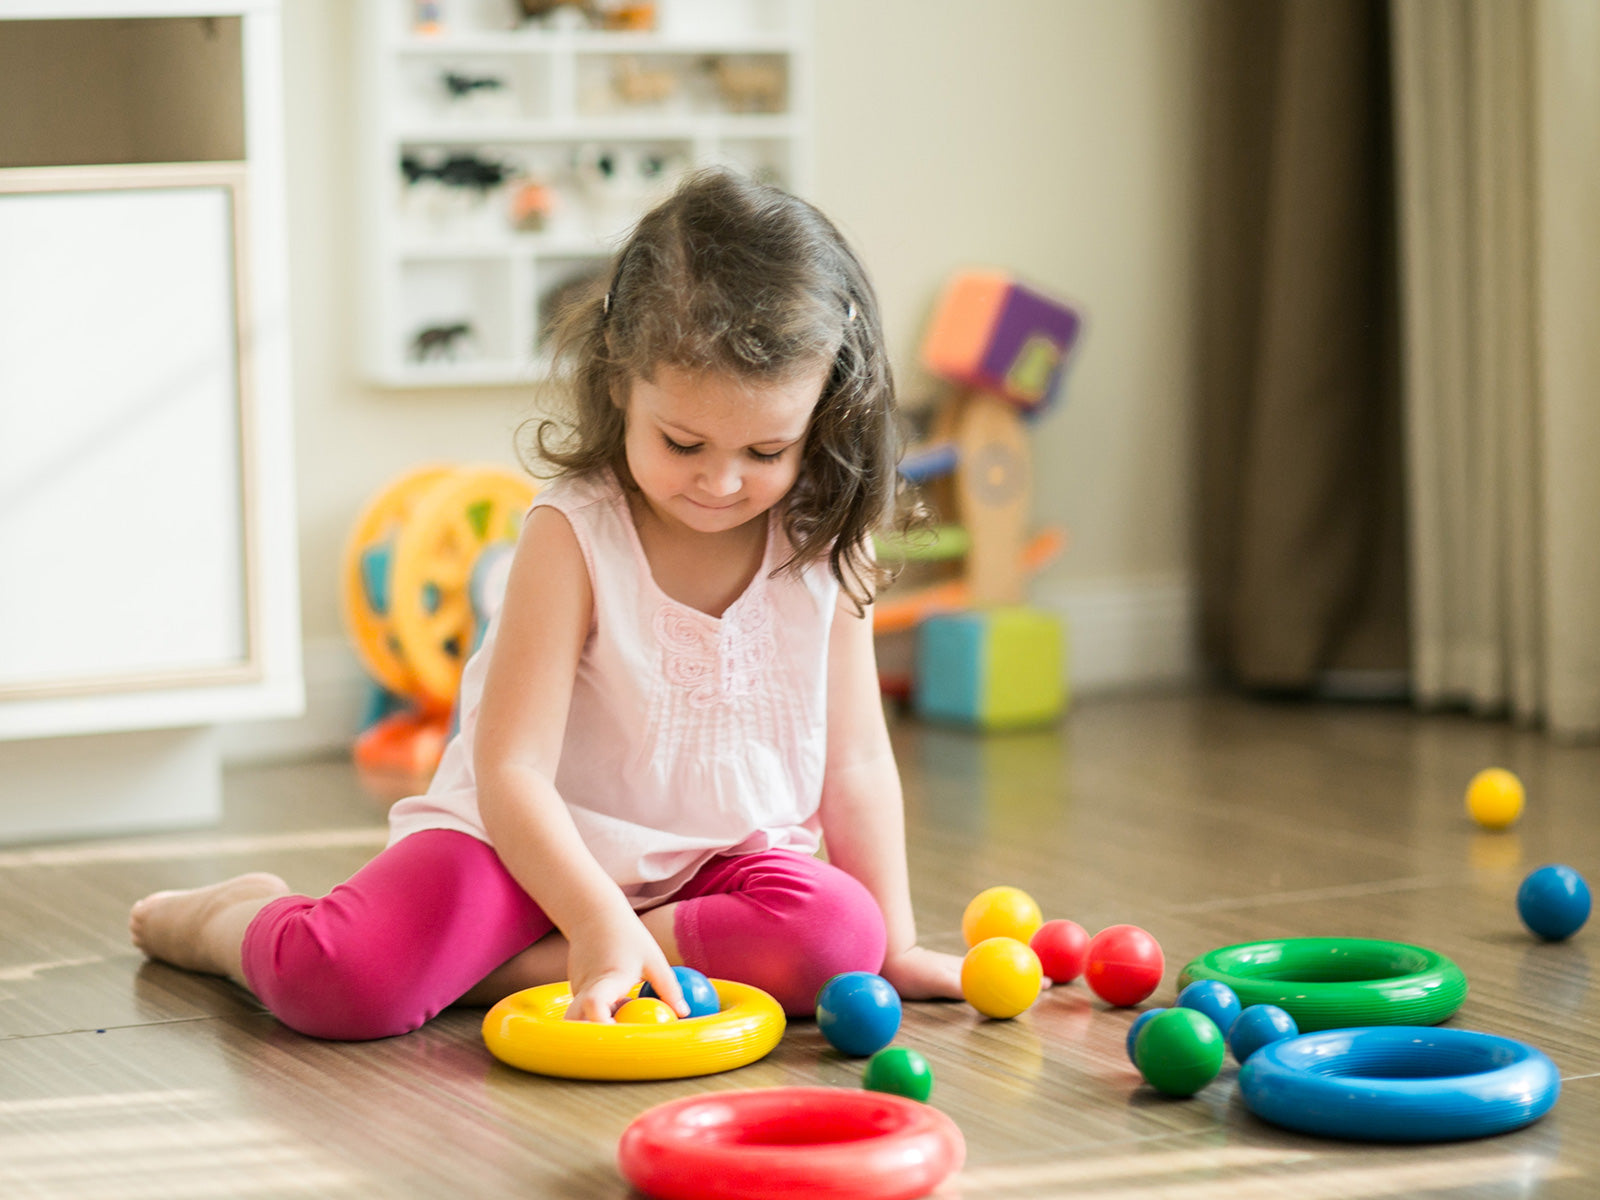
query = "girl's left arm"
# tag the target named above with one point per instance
(863, 814)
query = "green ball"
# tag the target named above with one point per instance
(900, 1071)
(1179, 1051)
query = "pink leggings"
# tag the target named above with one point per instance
(432, 915)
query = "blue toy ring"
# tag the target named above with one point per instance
(1400, 1083)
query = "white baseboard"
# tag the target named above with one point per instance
(93, 785)
(1125, 634)
(1120, 635)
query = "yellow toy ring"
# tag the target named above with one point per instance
(528, 1030)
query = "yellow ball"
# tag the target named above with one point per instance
(1000, 912)
(645, 1010)
(1494, 798)
(1000, 977)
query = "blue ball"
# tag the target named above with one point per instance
(1554, 902)
(1217, 1000)
(1133, 1030)
(858, 1012)
(1257, 1026)
(698, 992)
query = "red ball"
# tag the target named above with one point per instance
(1124, 965)
(1063, 948)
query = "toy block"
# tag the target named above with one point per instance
(994, 669)
(991, 333)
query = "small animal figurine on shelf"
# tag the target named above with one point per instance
(532, 202)
(458, 171)
(640, 86)
(617, 183)
(459, 86)
(425, 18)
(561, 14)
(434, 342)
(748, 85)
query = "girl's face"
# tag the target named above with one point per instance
(711, 452)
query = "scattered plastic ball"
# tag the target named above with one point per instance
(1259, 1025)
(1554, 902)
(1001, 977)
(900, 1071)
(1494, 798)
(1000, 912)
(1179, 1051)
(644, 1010)
(1063, 949)
(858, 1012)
(1217, 1000)
(698, 992)
(1124, 965)
(1137, 1027)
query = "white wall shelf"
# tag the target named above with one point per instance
(587, 127)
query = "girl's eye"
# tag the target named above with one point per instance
(760, 457)
(679, 447)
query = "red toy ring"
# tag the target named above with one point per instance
(782, 1143)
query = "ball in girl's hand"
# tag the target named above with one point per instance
(858, 1012)
(644, 1010)
(1063, 949)
(698, 992)
(1000, 912)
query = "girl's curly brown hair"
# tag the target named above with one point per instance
(730, 275)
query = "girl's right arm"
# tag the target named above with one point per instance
(544, 623)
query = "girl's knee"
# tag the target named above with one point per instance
(840, 929)
(317, 988)
(787, 930)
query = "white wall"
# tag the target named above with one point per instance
(1050, 137)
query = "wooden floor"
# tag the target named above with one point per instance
(1206, 820)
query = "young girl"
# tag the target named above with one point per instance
(677, 703)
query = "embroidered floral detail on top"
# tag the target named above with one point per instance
(716, 664)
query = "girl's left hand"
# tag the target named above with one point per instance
(922, 974)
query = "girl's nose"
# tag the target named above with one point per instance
(721, 478)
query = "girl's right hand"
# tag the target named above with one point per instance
(605, 962)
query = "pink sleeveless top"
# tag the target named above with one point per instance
(688, 735)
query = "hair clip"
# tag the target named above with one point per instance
(850, 312)
(605, 304)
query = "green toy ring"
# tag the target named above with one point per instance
(1337, 983)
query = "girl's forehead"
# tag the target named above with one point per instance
(717, 405)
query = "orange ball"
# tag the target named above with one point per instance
(1000, 912)
(645, 1010)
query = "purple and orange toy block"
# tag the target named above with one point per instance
(994, 334)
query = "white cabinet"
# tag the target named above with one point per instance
(148, 583)
(505, 158)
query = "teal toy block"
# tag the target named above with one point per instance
(994, 669)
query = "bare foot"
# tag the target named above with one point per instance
(201, 929)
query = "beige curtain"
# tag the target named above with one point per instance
(1301, 533)
(1498, 148)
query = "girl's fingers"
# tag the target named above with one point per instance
(592, 1004)
(665, 981)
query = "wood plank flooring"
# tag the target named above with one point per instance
(1206, 819)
